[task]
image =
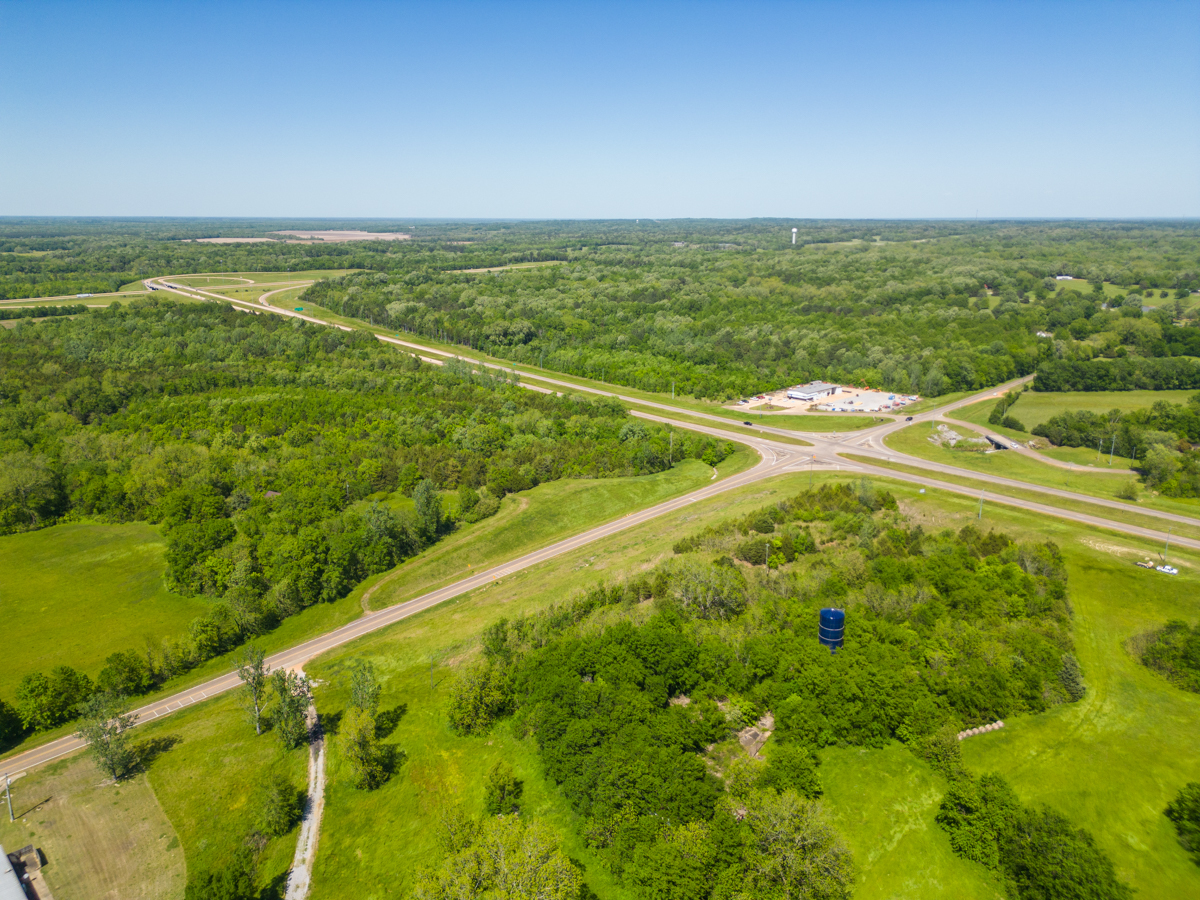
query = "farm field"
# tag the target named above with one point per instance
(100, 839)
(75, 593)
(1097, 482)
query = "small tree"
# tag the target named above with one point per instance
(364, 687)
(254, 671)
(427, 504)
(502, 792)
(105, 725)
(361, 747)
(291, 707)
(279, 807)
(1184, 812)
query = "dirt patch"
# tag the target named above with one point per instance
(947, 436)
(342, 236)
(753, 737)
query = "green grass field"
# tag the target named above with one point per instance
(1096, 482)
(884, 803)
(99, 839)
(1114, 760)
(544, 515)
(73, 594)
(1036, 407)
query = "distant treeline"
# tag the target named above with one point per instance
(40, 312)
(1118, 375)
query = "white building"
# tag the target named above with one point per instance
(814, 390)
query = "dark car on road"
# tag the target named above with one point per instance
(909, 419)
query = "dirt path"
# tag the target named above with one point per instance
(300, 877)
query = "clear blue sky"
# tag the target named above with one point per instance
(847, 109)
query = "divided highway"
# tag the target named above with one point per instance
(776, 458)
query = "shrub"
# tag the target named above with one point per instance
(280, 805)
(478, 696)
(1184, 812)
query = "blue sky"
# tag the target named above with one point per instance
(599, 110)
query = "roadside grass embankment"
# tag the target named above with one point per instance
(993, 492)
(569, 505)
(1097, 482)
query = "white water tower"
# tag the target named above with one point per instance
(794, 230)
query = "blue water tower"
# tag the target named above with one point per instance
(832, 627)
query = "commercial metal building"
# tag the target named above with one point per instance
(814, 390)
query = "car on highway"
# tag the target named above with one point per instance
(748, 423)
(908, 419)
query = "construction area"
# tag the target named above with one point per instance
(820, 396)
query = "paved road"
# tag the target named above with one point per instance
(777, 458)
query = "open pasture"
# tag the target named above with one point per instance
(1036, 407)
(73, 594)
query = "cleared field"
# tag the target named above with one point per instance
(73, 594)
(100, 839)
(884, 803)
(1095, 482)
(1114, 760)
(1036, 407)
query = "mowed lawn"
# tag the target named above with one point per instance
(100, 839)
(73, 594)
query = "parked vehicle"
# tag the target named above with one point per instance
(1145, 565)
(1167, 570)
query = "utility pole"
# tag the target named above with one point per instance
(1166, 547)
(980, 516)
(8, 795)
(1099, 444)
(812, 459)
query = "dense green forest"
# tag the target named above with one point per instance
(635, 705)
(272, 452)
(719, 308)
